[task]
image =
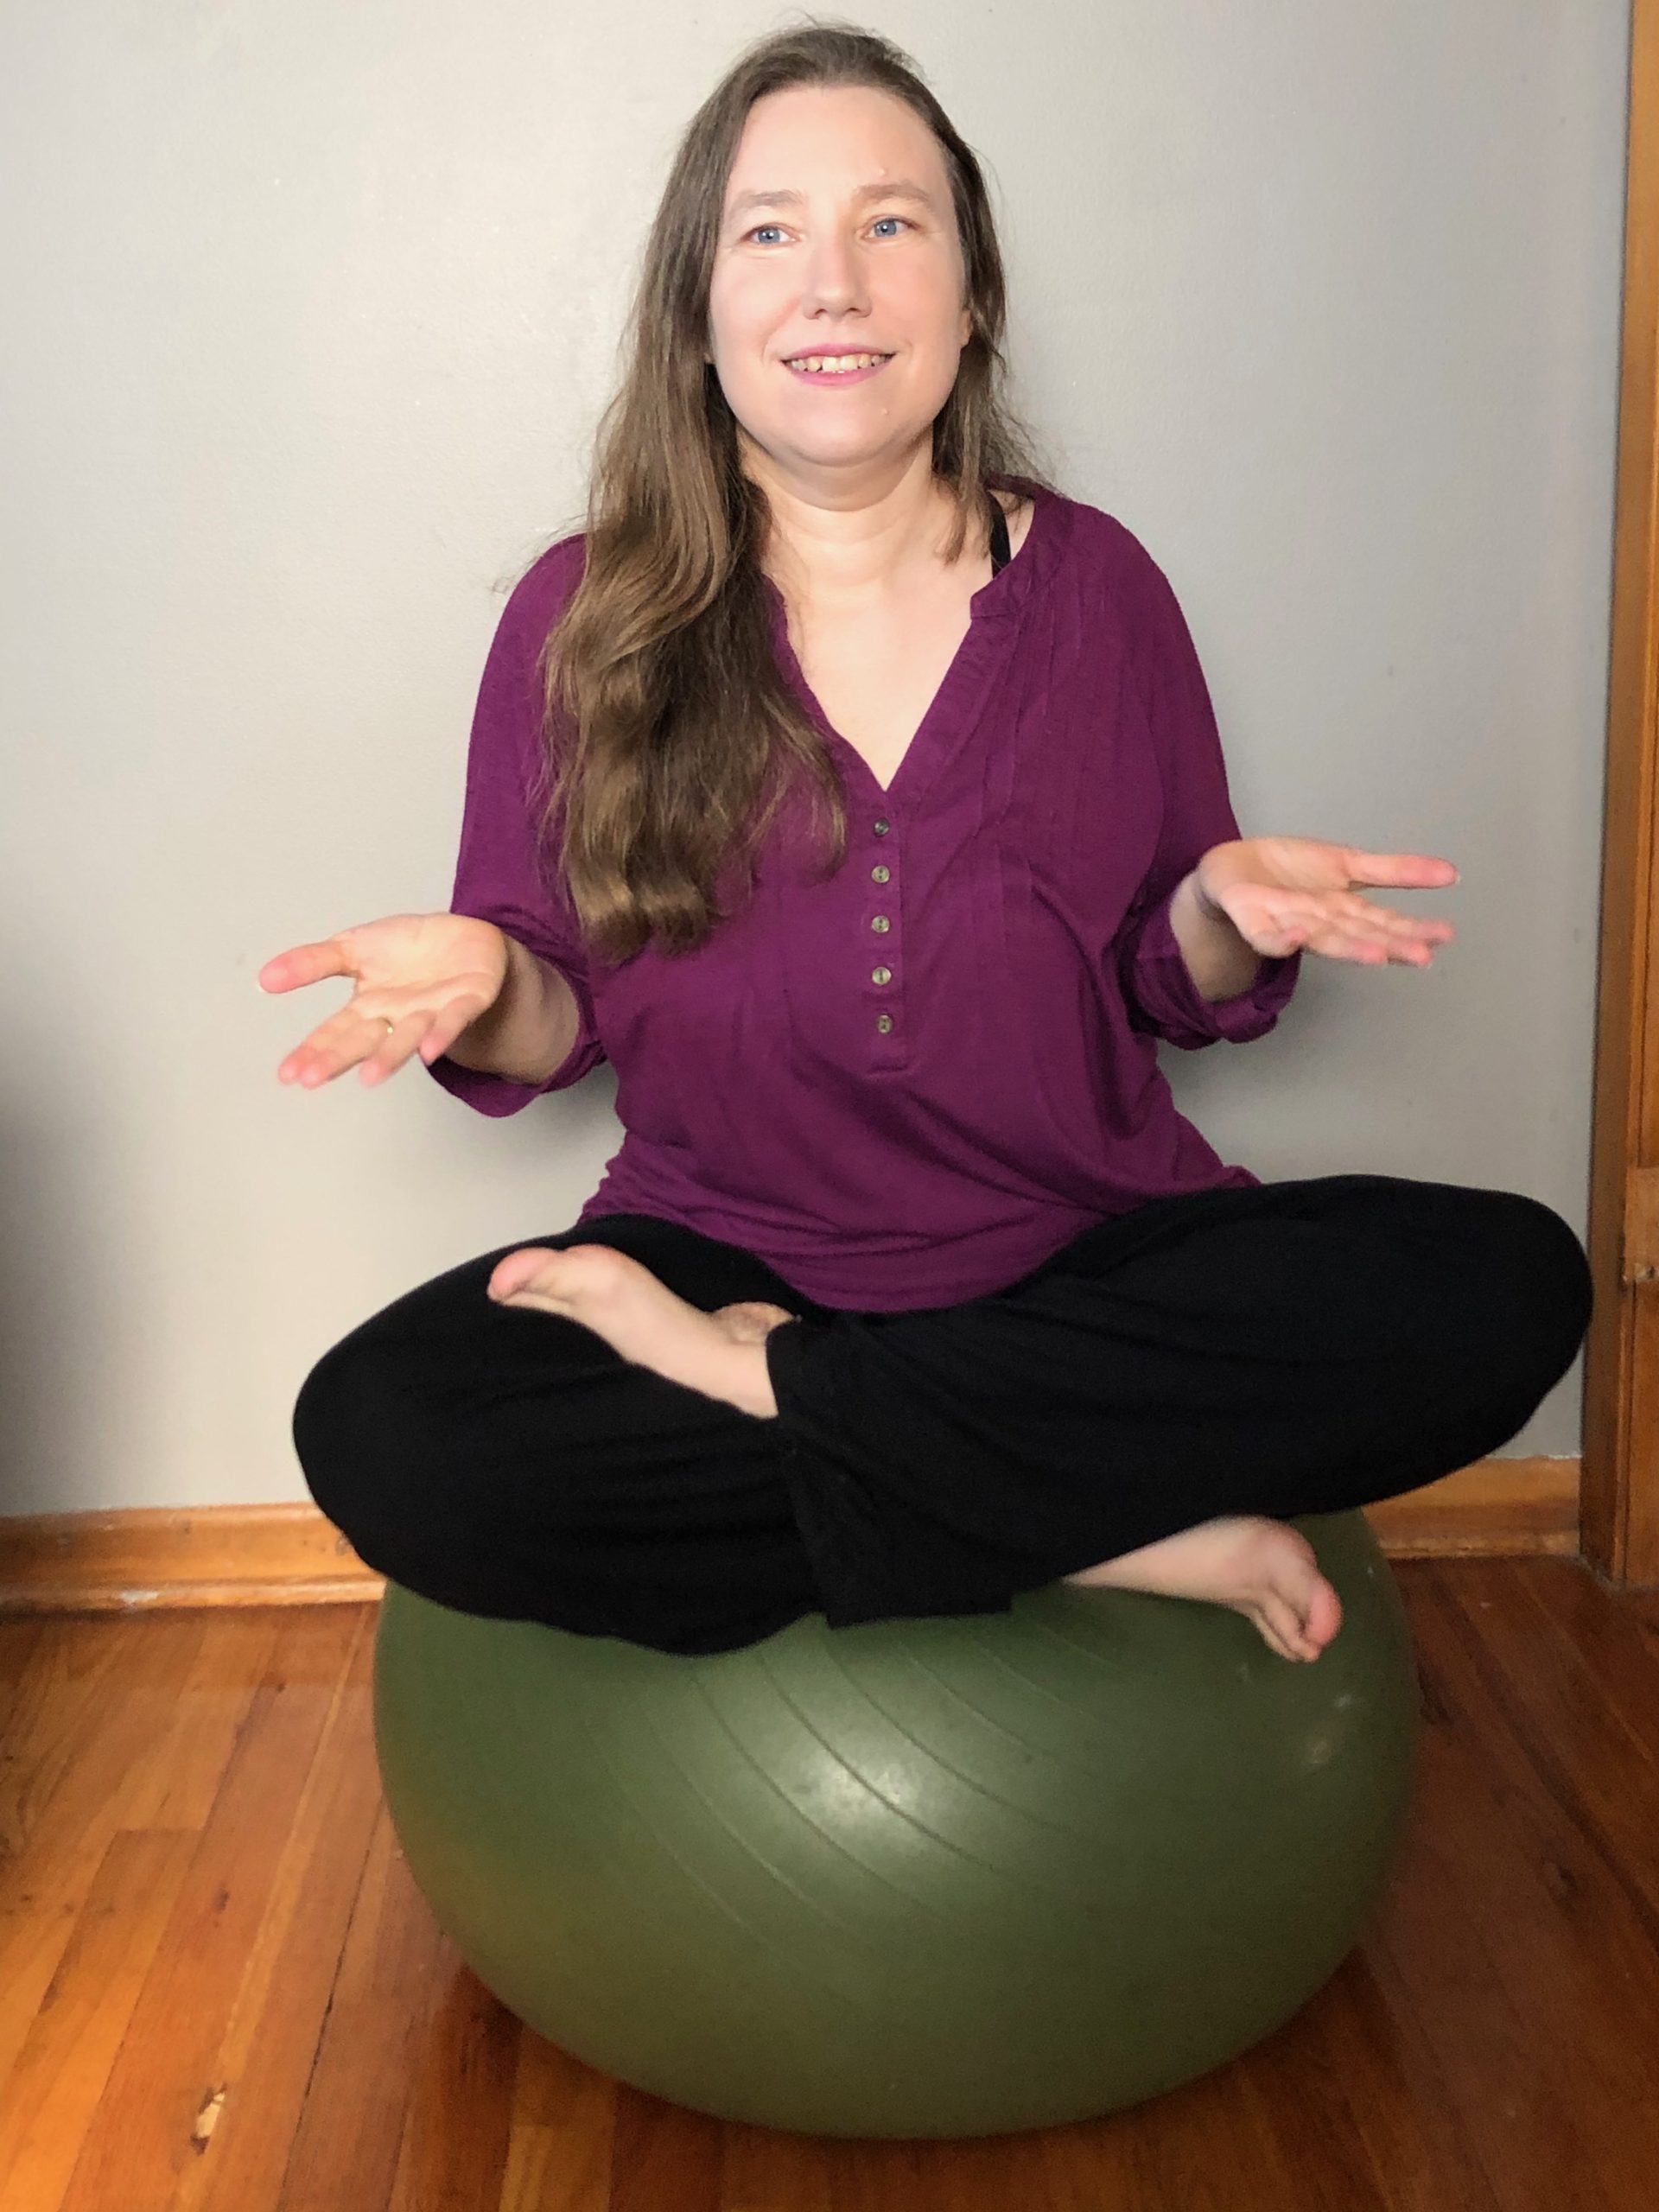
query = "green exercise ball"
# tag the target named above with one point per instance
(914, 1879)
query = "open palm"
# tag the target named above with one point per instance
(420, 980)
(1284, 894)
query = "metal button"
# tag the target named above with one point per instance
(879, 874)
(883, 828)
(880, 922)
(881, 974)
(884, 1022)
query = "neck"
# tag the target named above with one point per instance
(849, 547)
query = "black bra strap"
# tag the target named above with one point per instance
(1001, 554)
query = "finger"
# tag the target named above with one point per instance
(1370, 949)
(1309, 917)
(1314, 924)
(303, 963)
(448, 1025)
(335, 1045)
(352, 1035)
(311, 1062)
(1407, 938)
(387, 1049)
(1324, 924)
(1359, 941)
(1406, 871)
(1362, 914)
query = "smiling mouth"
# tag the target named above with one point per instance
(863, 360)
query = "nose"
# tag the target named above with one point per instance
(832, 281)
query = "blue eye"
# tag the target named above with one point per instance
(759, 227)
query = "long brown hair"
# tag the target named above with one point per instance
(684, 734)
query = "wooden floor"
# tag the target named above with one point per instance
(219, 1989)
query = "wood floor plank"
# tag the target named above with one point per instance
(563, 2117)
(62, 2068)
(1476, 1936)
(1350, 2048)
(176, 1783)
(1172, 2160)
(1613, 1680)
(59, 1707)
(458, 2122)
(764, 2167)
(1294, 2095)
(1584, 1817)
(151, 2124)
(662, 2154)
(92, 1708)
(262, 2067)
(1616, 1637)
(19, 1640)
(394, 1968)
(220, 1991)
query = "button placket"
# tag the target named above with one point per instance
(883, 924)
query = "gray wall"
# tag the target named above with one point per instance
(311, 312)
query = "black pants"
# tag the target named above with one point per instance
(1295, 1347)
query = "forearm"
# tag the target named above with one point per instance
(1219, 961)
(530, 1030)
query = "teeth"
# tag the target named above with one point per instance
(819, 361)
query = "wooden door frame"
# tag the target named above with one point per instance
(1619, 1484)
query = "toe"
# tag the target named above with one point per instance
(1324, 1615)
(516, 1269)
(1279, 1618)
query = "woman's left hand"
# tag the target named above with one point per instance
(1283, 895)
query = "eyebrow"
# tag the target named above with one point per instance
(897, 188)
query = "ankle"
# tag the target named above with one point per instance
(750, 1390)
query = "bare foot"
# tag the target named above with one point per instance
(750, 1321)
(721, 1354)
(1266, 1570)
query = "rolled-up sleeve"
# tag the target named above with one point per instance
(502, 874)
(1159, 992)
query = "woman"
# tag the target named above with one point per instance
(908, 1288)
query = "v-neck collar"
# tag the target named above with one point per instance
(991, 612)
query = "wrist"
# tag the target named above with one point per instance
(1206, 904)
(1219, 958)
(487, 1026)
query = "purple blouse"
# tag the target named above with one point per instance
(910, 1085)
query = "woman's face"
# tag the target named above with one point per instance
(837, 236)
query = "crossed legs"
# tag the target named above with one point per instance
(1263, 1568)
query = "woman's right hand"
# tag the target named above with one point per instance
(430, 975)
